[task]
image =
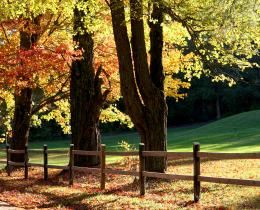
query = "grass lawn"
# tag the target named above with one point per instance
(239, 133)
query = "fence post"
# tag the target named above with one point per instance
(141, 169)
(71, 164)
(45, 161)
(26, 162)
(7, 160)
(103, 166)
(196, 162)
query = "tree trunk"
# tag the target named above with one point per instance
(217, 104)
(85, 112)
(84, 126)
(160, 111)
(86, 97)
(218, 110)
(21, 123)
(23, 105)
(141, 87)
(155, 138)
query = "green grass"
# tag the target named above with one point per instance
(238, 133)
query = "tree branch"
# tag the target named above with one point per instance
(53, 98)
(50, 100)
(5, 34)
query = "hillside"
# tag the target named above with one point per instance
(239, 132)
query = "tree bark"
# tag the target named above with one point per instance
(142, 92)
(21, 122)
(217, 104)
(157, 76)
(218, 109)
(86, 97)
(23, 105)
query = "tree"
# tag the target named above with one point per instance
(223, 35)
(86, 95)
(45, 65)
(29, 61)
(23, 100)
(141, 86)
(219, 35)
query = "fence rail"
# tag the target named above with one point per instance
(246, 182)
(174, 155)
(35, 165)
(55, 151)
(197, 178)
(125, 154)
(215, 155)
(11, 163)
(86, 153)
(16, 151)
(58, 167)
(167, 176)
(120, 172)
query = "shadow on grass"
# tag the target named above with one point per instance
(75, 201)
(54, 200)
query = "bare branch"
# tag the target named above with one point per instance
(5, 34)
(50, 100)
(107, 2)
(58, 96)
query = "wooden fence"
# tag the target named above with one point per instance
(197, 178)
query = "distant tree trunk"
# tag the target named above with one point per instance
(23, 105)
(86, 97)
(141, 87)
(218, 107)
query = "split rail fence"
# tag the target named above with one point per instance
(197, 178)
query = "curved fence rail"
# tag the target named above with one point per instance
(196, 155)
